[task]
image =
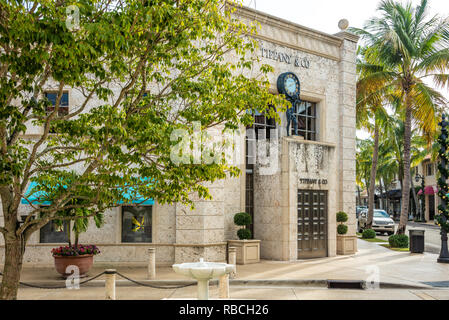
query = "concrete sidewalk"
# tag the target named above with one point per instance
(400, 268)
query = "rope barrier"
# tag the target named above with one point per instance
(154, 286)
(102, 273)
(56, 287)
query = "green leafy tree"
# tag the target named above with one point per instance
(410, 47)
(364, 157)
(144, 70)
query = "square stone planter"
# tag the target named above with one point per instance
(247, 251)
(346, 244)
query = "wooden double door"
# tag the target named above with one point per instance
(312, 224)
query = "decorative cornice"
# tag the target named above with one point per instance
(326, 45)
(266, 18)
(348, 36)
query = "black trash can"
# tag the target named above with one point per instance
(416, 241)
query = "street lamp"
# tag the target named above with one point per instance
(417, 178)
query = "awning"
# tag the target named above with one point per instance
(35, 197)
(429, 190)
(394, 194)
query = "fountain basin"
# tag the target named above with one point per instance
(203, 272)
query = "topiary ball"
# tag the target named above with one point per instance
(368, 234)
(244, 234)
(342, 216)
(242, 219)
(342, 229)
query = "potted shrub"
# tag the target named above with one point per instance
(77, 254)
(346, 244)
(247, 249)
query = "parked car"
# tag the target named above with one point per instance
(382, 222)
(358, 209)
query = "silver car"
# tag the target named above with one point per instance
(382, 222)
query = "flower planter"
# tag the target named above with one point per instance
(83, 262)
(346, 244)
(247, 251)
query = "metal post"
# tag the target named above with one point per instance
(423, 199)
(232, 258)
(152, 263)
(444, 254)
(110, 284)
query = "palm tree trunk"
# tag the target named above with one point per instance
(406, 159)
(387, 201)
(359, 199)
(372, 184)
(381, 201)
(415, 198)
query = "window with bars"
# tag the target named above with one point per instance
(52, 233)
(262, 124)
(429, 169)
(306, 115)
(63, 104)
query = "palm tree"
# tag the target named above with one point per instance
(391, 153)
(370, 102)
(410, 48)
(387, 168)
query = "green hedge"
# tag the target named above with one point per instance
(368, 234)
(398, 241)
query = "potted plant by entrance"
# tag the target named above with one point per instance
(247, 249)
(81, 256)
(346, 244)
(78, 255)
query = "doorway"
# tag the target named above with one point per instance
(312, 224)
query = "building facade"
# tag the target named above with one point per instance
(293, 196)
(428, 170)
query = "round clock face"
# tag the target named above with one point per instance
(290, 86)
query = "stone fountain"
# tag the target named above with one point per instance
(203, 272)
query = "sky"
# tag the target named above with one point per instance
(323, 15)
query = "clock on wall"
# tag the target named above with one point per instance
(288, 84)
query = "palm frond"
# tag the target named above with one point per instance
(427, 103)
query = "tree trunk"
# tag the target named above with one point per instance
(415, 199)
(14, 251)
(387, 201)
(406, 182)
(359, 199)
(76, 239)
(372, 184)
